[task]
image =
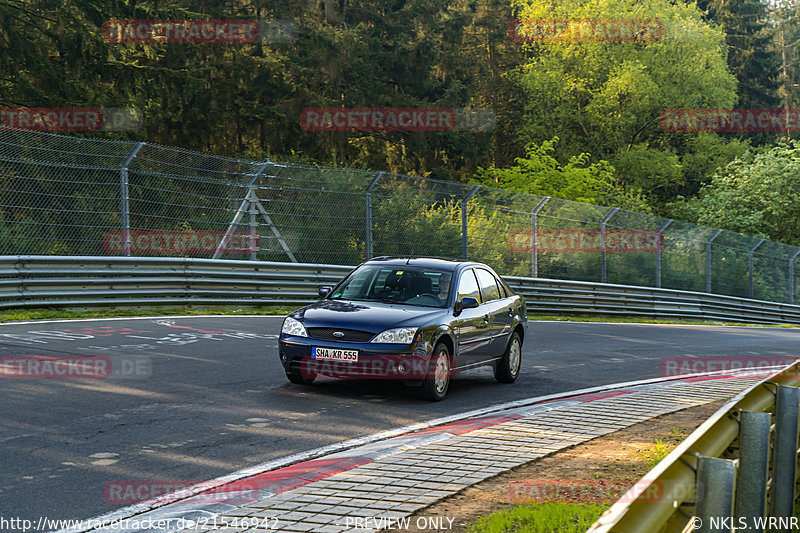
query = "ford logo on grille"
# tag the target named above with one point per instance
(338, 334)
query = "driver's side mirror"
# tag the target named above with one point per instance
(467, 302)
(324, 291)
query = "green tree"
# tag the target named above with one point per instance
(605, 98)
(578, 179)
(757, 194)
(752, 55)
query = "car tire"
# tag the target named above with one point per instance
(434, 386)
(507, 368)
(301, 376)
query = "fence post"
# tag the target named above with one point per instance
(751, 480)
(252, 210)
(714, 493)
(368, 214)
(603, 260)
(658, 251)
(125, 200)
(534, 235)
(708, 259)
(791, 276)
(464, 237)
(784, 452)
(750, 266)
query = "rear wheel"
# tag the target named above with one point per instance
(434, 386)
(507, 369)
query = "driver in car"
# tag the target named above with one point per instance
(444, 287)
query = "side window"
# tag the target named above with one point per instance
(468, 286)
(489, 288)
(503, 289)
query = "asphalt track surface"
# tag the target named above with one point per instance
(201, 397)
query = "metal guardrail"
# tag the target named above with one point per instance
(78, 281)
(545, 296)
(721, 475)
(44, 281)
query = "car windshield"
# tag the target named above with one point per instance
(407, 285)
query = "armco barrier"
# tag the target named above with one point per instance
(693, 487)
(82, 281)
(43, 281)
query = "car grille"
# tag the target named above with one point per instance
(350, 335)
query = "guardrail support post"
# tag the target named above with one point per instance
(464, 237)
(750, 266)
(784, 453)
(124, 194)
(791, 276)
(368, 214)
(714, 492)
(658, 251)
(751, 481)
(708, 259)
(603, 261)
(534, 237)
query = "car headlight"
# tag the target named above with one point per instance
(293, 327)
(397, 336)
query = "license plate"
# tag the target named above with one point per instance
(335, 354)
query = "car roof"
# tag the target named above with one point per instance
(425, 262)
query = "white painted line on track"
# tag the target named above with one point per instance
(135, 318)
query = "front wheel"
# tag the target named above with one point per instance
(434, 387)
(301, 376)
(507, 369)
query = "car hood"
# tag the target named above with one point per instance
(365, 316)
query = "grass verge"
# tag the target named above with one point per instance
(550, 517)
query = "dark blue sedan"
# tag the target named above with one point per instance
(417, 320)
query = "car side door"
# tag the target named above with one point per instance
(510, 313)
(496, 308)
(471, 325)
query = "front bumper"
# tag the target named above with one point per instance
(375, 361)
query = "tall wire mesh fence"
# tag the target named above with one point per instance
(62, 195)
